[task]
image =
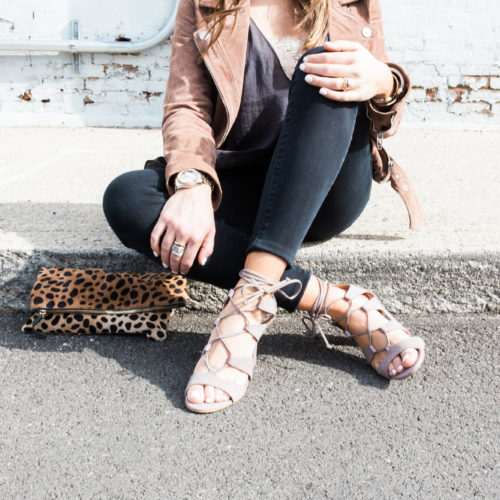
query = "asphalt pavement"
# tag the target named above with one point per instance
(103, 417)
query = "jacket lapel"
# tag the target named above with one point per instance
(226, 58)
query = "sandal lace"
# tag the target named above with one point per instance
(257, 280)
(319, 312)
(261, 285)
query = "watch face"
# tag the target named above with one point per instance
(188, 178)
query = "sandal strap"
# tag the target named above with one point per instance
(373, 304)
(319, 312)
(256, 330)
(244, 364)
(355, 291)
(254, 287)
(235, 391)
(260, 285)
(394, 350)
(257, 280)
(268, 306)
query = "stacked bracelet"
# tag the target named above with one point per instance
(397, 90)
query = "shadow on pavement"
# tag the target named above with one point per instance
(168, 365)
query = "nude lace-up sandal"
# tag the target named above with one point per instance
(252, 290)
(320, 312)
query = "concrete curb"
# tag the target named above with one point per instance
(407, 283)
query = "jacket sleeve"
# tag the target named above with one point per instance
(385, 119)
(188, 137)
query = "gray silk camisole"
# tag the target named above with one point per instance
(264, 100)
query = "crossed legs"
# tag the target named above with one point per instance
(316, 185)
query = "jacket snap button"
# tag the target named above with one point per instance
(204, 35)
(366, 32)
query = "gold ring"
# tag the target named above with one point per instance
(346, 85)
(179, 244)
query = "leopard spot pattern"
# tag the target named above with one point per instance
(69, 289)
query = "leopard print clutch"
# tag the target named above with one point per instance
(92, 301)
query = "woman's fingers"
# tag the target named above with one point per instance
(324, 71)
(174, 259)
(329, 83)
(344, 58)
(156, 234)
(170, 259)
(166, 245)
(187, 259)
(341, 96)
(329, 70)
(333, 88)
(197, 246)
(342, 45)
(186, 218)
(207, 247)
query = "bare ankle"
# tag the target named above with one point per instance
(267, 264)
(309, 297)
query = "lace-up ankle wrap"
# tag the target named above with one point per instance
(252, 289)
(320, 312)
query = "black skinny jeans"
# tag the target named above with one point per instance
(317, 184)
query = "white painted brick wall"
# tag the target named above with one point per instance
(450, 48)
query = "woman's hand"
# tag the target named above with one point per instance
(188, 218)
(368, 77)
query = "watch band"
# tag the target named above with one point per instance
(208, 181)
(205, 180)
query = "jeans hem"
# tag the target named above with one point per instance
(262, 246)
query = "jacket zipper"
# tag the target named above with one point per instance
(226, 131)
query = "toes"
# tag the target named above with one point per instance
(220, 395)
(196, 394)
(397, 363)
(209, 394)
(391, 370)
(409, 357)
(400, 363)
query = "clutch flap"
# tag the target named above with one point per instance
(95, 289)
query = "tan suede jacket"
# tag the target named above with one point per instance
(203, 96)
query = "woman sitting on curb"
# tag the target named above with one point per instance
(273, 120)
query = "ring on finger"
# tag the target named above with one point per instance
(178, 248)
(346, 85)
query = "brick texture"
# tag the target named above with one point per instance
(451, 50)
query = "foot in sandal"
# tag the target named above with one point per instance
(221, 376)
(386, 344)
